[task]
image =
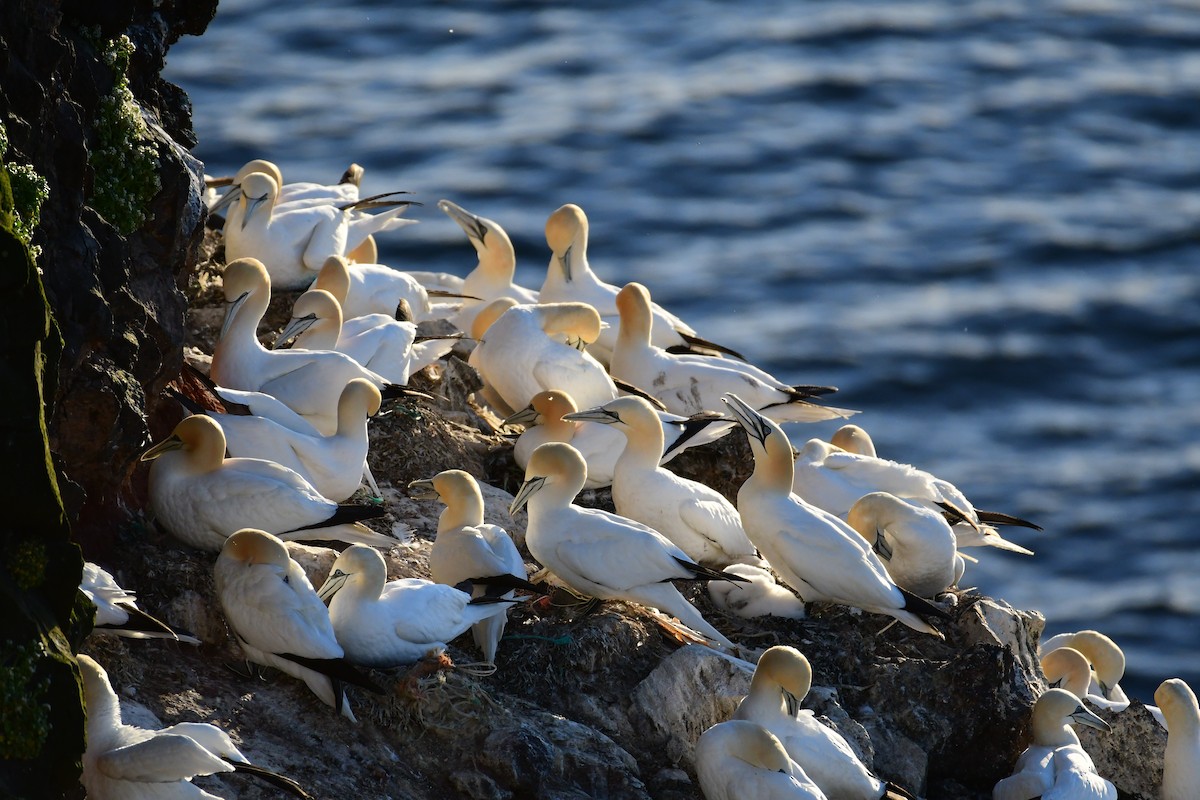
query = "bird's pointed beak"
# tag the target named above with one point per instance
(882, 548)
(565, 260)
(297, 326)
(226, 199)
(165, 446)
(1085, 717)
(598, 414)
(528, 489)
(335, 581)
(472, 225)
(252, 204)
(423, 490)
(750, 420)
(526, 416)
(231, 312)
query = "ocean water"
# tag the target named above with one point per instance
(978, 219)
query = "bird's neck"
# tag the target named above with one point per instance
(465, 513)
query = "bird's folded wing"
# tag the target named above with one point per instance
(160, 759)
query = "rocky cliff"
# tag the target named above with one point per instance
(586, 702)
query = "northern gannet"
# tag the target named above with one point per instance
(492, 277)
(781, 681)
(310, 382)
(293, 241)
(125, 762)
(814, 552)
(345, 191)
(1040, 767)
(470, 554)
(383, 623)
(834, 479)
(326, 462)
(760, 596)
(117, 611)
(201, 497)
(532, 348)
(365, 289)
(1067, 668)
(1107, 662)
(740, 760)
(279, 620)
(689, 384)
(386, 346)
(601, 445)
(916, 544)
(698, 519)
(853, 439)
(569, 277)
(1181, 767)
(600, 554)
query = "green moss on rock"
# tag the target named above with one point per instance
(124, 160)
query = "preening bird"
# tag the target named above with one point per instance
(471, 555)
(335, 465)
(740, 760)
(388, 347)
(915, 544)
(383, 623)
(279, 620)
(530, 349)
(125, 762)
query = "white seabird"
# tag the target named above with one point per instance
(472, 555)
(1067, 668)
(600, 554)
(329, 463)
(1107, 662)
(201, 497)
(279, 620)
(760, 596)
(345, 191)
(853, 439)
(689, 384)
(698, 519)
(781, 682)
(907, 481)
(363, 290)
(601, 445)
(492, 277)
(569, 278)
(814, 552)
(117, 611)
(125, 762)
(740, 760)
(294, 241)
(1040, 767)
(916, 544)
(310, 382)
(383, 623)
(386, 346)
(532, 348)
(834, 479)
(1181, 762)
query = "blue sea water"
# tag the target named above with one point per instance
(978, 219)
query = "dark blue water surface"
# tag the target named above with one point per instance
(979, 219)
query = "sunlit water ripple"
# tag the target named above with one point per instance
(977, 219)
